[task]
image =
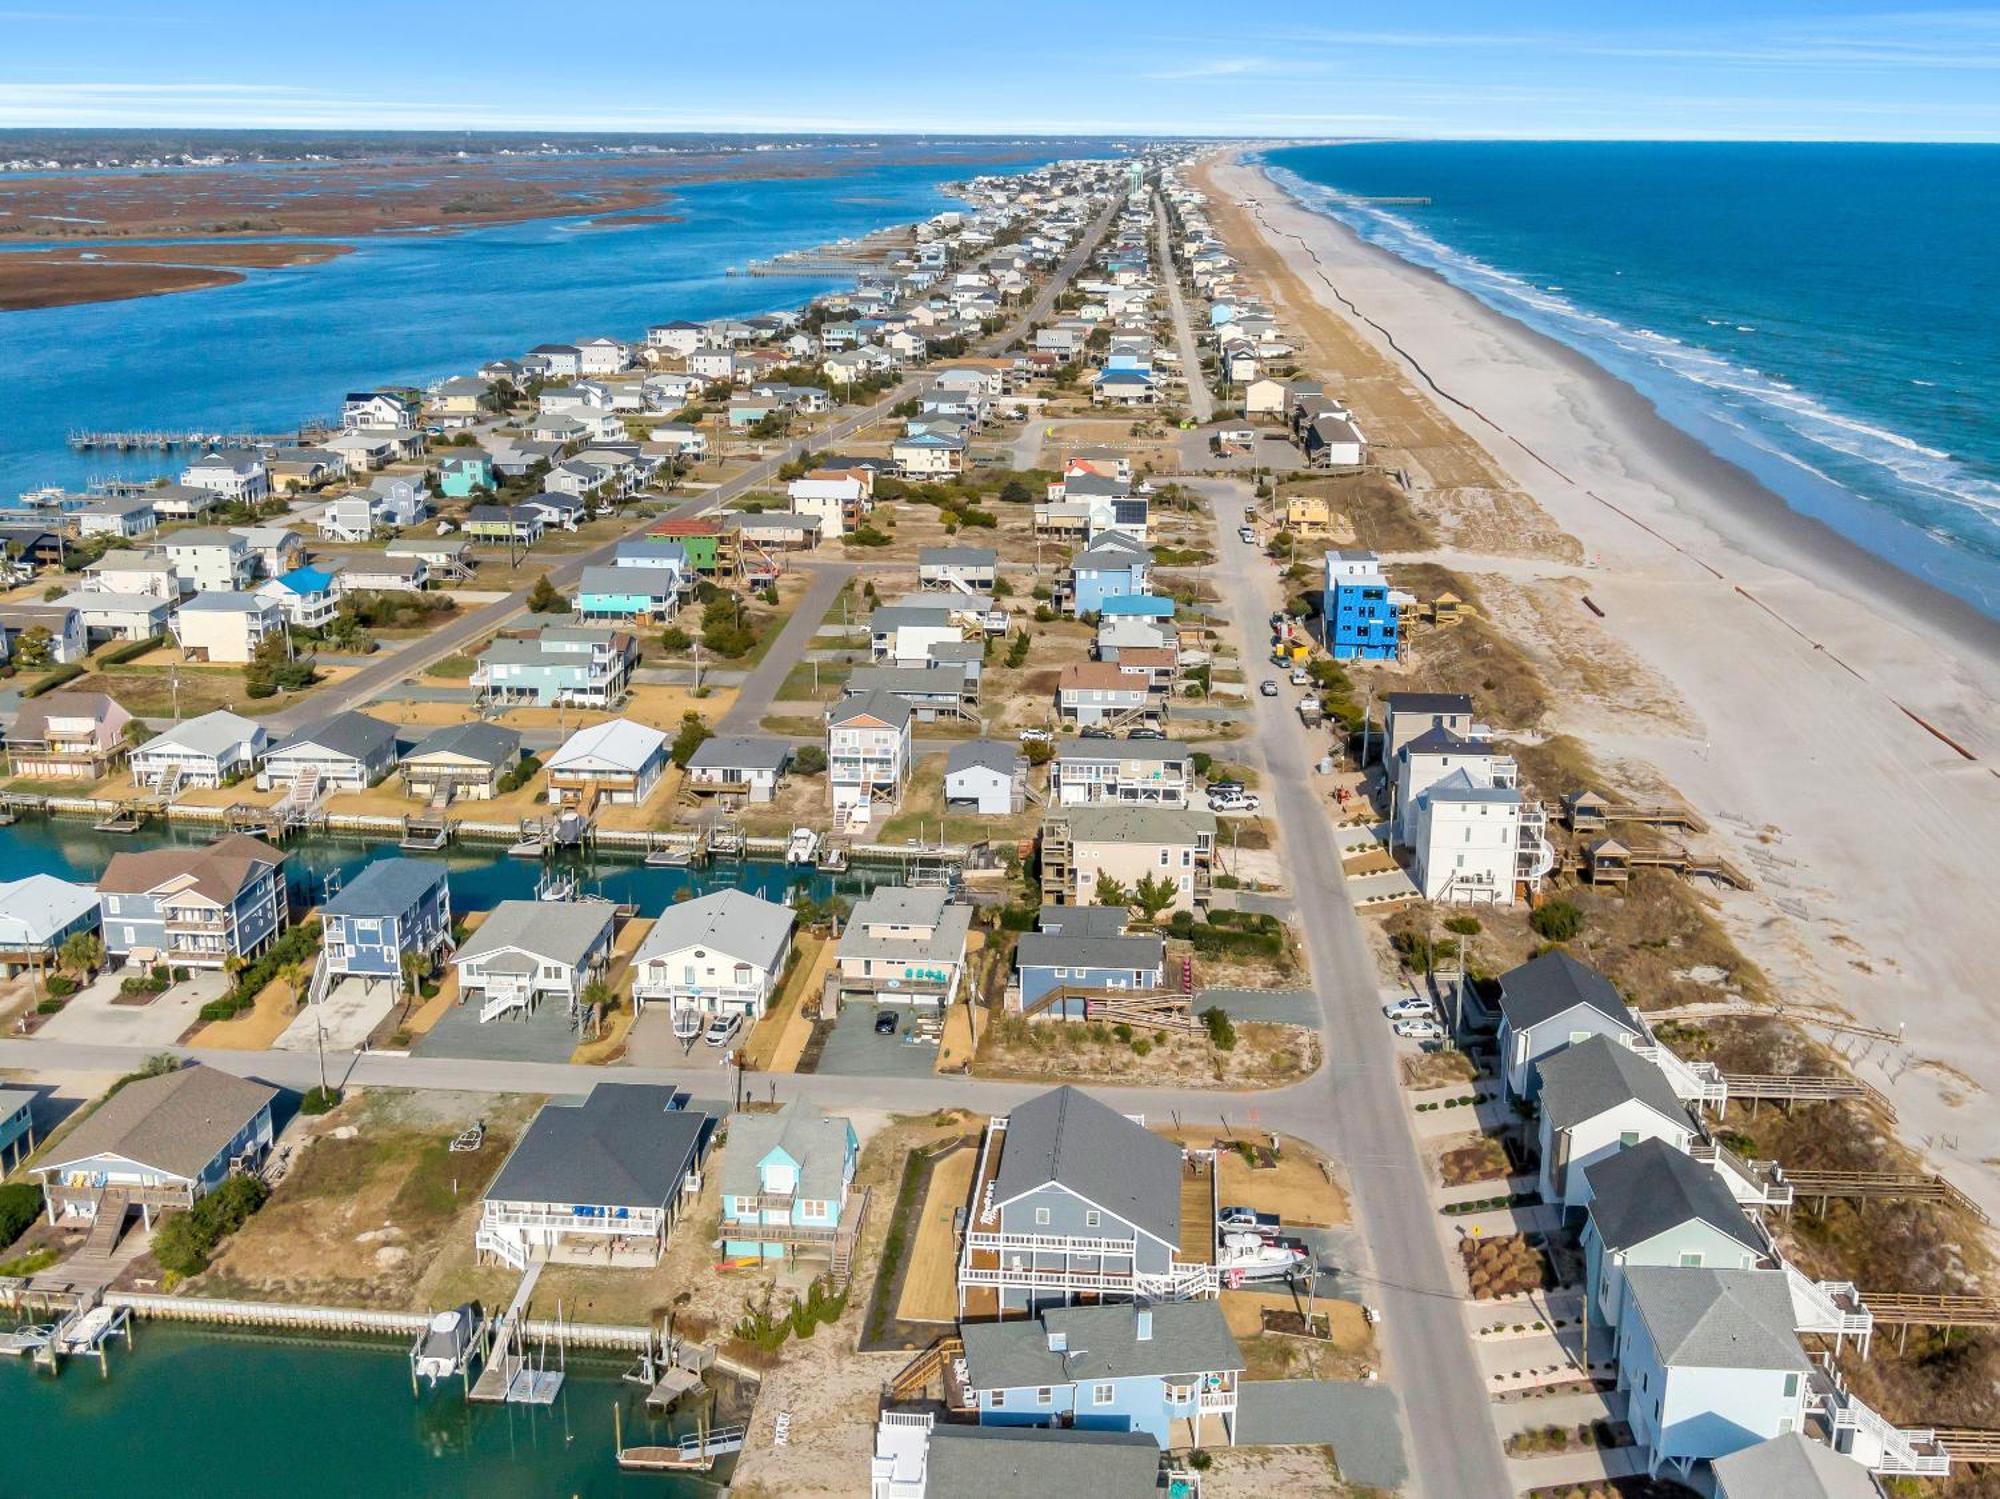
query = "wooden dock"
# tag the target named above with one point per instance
(1862, 1186)
(1969, 1444)
(1789, 1088)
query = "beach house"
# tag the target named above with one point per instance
(210, 560)
(226, 628)
(627, 593)
(1475, 838)
(67, 639)
(308, 596)
(1600, 1097)
(233, 474)
(204, 751)
(917, 1457)
(1083, 847)
(1110, 567)
(582, 666)
(719, 954)
(158, 1143)
(751, 766)
(1792, 1466)
(957, 569)
(986, 777)
(1106, 694)
(1168, 1371)
(619, 762)
(1074, 1199)
(347, 752)
(867, 754)
(67, 736)
(1651, 1204)
(38, 913)
(1360, 617)
(901, 946)
(194, 908)
(788, 1186)
(460, 761)
(1082, 953)
(118, 616)
(1551, 1002)
(598, 1180)
(393, 909)
(1405, 715)
(1141, 772)
(529, 951)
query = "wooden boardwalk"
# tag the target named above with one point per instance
(1790, 1088)
(1860, 1186)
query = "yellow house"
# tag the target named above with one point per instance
(1308, 515)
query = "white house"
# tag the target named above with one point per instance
(348, 752)
(529, 951)
(226, 627)
(210, 560)
(748, 765)
(837, 500)
(720, 954)
(234, 475)
(201, 752)
(986, 777)
(1551, 1002)
(118, 616)
(619, 762)
(1599, 1097)
(1475, 838)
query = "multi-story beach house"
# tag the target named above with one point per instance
(348, 752)
(1083, 847)
(867, 754)
(38, 913)
(751, 766)
(1362, 623)
(234, 475)
(1079, 954)
(1113, 566)
(1600, 1097)
(578, 666)
(393, 908)
(788, 1186)
(720, 954)
(210, 560)
(1551, 1002)
(1171, 1371)
(194, 908)
(204, 751)
(226, 628)
(1121, 772)
(67, 736)
(1477, 840)
(529, 951)
(1071, 1200)
(1405, 715)
(901, 946)
(461, 761)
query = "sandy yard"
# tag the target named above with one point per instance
(1266, 1055)
(1297, 1187)
(930, 1288)
(377, 1211)
(275, 1007)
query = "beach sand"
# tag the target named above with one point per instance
(1803, 673)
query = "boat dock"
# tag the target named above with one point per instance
(86, 1330)
(693, 1453)
(509, 1376)
(161, 441)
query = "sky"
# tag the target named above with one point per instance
(1752, 69)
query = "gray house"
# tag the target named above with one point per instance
(1600, 1097)
(1653, 1205)
(348, 752)
(958, 569)
(1075, 1199)
(461, 760)
(1551, 1002)
(530, 950)
(747, 765)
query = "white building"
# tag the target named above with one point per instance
(720, 954)
(226, 627)
(1475, 841)
(867, 754)
(201, 752)
(986, 777)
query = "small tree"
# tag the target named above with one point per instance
(81, 953)
(597, 993)
(694, 732)
(1153, 894)
(33, 646)
(1558, 921)
(544, 599)
(1111, 893)
(809, 760)
(416, 968)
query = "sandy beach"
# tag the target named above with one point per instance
(1833, 718)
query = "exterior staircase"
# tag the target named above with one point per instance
(503, 1249)
(1858, 1431)
(108, 1226)
(1699, 1083)
(1832, 1307)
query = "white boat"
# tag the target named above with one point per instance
(446, 1345)
(803, 847)
(687, 1024)
(1250, 1256)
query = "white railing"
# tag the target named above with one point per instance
(1876, 1444)
(1816, 1306)
(1058, 1243)
(1695, 1082)
(499, 1001)
(1758, 1182)
(1218, 1400)
(639, 1222)
(506, 1249)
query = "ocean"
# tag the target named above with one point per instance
(1822, 315)
(284, 345)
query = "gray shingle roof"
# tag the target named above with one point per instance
(1544, 987)
(889, 708)
(1582, 1081)
(485, 742)
(386, 887)
(817, 1141)
(1067, 1136)
(741, 752)
(177, 1122)
(353, 734)
(1027, 1462)
(991, 754)
(1189, 1337)
(625, 1145)
(1792, 1466)
(563, 931)
(1082, 921)
(1641, 1193)
(1048, 950)
(733, 922)
(1717, 1319)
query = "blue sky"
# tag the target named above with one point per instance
(1813, 69)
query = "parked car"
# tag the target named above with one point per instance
(1223, 788)
(1301, 677)
(1268, 688)
(1248, 536)
(1246, 1218)
(721, 1029)
(1238, 801)
(1093, 732)
(1145, 734)
(1038, 736)
(1409, 1008)
(1419, 1030)
(886, 1022)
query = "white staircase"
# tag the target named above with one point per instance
(1859, 1432)
(502, 1248)
(167, 781)
(322, 979)
(1831, 1307)
(1759, 1184)
(499, 1001)
(1693, 1082)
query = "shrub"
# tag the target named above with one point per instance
(1464, 926)
(20, 1206)
(61, 985)
(1557, 920)
(130, 650)
(1221, 1029)
(524, 771)
(318, 1100)
(1142, 1047)
(184, 1242)
(57, 678)
(809, 760)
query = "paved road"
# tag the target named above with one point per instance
(1355, 1102)
(1201, 403)
(754, 698)
(474, 625)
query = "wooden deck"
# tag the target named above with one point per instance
(1198, 1206)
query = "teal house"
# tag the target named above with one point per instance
(787, 1182)
(461, 473)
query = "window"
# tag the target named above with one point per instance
(1103, 1394)
(1691, 1260)
(1628, 1138)
(1041, 1216)
(1045, 1396)
(1092, 1218)
(1791, 1386)
(996, 1399)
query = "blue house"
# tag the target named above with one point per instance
(1137, 606)
(1361, 619)
(607, 593)
(194, 909)
(462, 473)
(1081, 953)
(394, 906)
(1110, 567)
(786, 1182)
(1167, 1371)
(17, 1127)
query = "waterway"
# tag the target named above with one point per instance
(482, 875)
(283, 346)
(234, 1416)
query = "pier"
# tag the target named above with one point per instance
(167, 440)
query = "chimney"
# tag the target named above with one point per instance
(1142, 1330)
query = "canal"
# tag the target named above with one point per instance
(239, 1416)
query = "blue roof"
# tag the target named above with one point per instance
(387, 887)
(307, 580)
(1149, 604)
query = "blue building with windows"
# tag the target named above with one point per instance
(1081, 953)
(1361, 619)
(1162, 1370)
(786, 1181)
(1113, 566)
(394, 906)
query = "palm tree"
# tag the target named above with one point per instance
(82, 953)
(416, 968)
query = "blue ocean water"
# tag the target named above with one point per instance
(1823, 315)
(284, 345)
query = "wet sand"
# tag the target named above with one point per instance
(1837, 720)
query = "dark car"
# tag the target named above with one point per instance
(886, 1022)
